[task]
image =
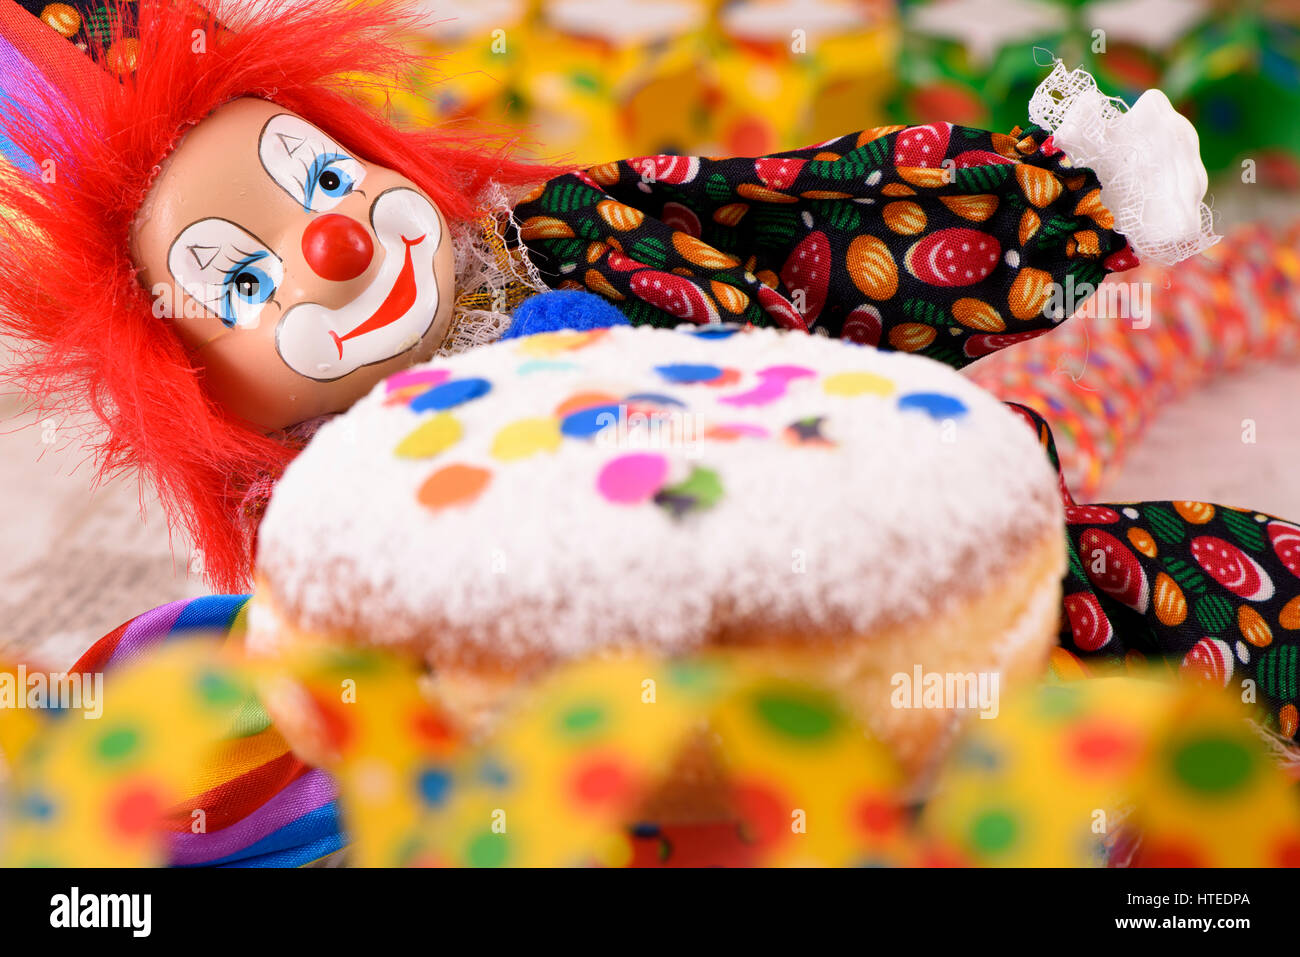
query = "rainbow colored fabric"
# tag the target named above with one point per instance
(264, 807)
(34, 56)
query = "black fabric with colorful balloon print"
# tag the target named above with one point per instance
(1212, 590)
(85, 23)
(940, 240)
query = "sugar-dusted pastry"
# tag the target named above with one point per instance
(871, 517)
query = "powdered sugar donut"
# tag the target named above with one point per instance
(870, 518)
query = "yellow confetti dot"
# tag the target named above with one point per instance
(857, 383)
(546, 344)
(437, 435)
(525, 438)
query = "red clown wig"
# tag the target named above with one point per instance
(83, 324)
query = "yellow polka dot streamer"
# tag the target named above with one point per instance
(1210, 795)
(560, 781)
(20, 727)
(389, 748)
(95, 787)
(809, 785)
(1046, 782)
(1067, 772)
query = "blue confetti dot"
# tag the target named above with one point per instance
(450, 394)
(935, 404)
(493, 774)
(685, 374)
(434, 786)
(655, 398)
(587, 422)
(37, 807)
(715, 332)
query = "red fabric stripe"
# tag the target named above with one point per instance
(64, 66)
(97, 657)
(228, 803)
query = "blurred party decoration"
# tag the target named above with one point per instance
(1235, 76)
(473, 52)
(568, 768)
(98, 784)
(260, 805)
(793, 72)
(1083, 772)
(1210, 796)
(1232, 69)
(362, 716)
(1148, 337)
(1073, 772)
(1048, 783)
(595, 80)
(601, 741)
(810, 785)
(604, 79)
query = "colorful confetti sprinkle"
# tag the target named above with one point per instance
(632, 479)
(688, 374)
(587, 422)
(525, 438)
(453, 485)
(450, 394)
(937, 405)
(773, 383)
(702, 489)
(416, 378)
(429, 438)
(857, 383)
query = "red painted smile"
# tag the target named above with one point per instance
(400, 298)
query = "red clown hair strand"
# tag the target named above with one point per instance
(83, 325)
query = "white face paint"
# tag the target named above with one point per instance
(227, 269)
(391, 316)
(307, 164)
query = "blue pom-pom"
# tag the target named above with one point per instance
(563, 309)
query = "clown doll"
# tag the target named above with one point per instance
(213, 244)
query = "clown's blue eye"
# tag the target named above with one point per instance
(245, 285)
(329, 175)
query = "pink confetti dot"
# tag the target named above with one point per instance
(632, 479)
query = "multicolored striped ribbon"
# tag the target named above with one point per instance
(263, 806)
(1100, 379)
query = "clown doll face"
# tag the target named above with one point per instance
(296, 274)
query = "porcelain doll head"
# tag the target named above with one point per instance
(222, 240)
(297, 274)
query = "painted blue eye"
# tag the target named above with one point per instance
(245, 284)
(328, 175)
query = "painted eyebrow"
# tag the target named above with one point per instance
(211, 305)
(246, 233)
(285, 137)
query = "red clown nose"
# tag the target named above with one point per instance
(337, 248)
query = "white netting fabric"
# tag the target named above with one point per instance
(1151, 174)
(481, 269)
(1285, 751)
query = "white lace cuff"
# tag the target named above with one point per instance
(1147, 159)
